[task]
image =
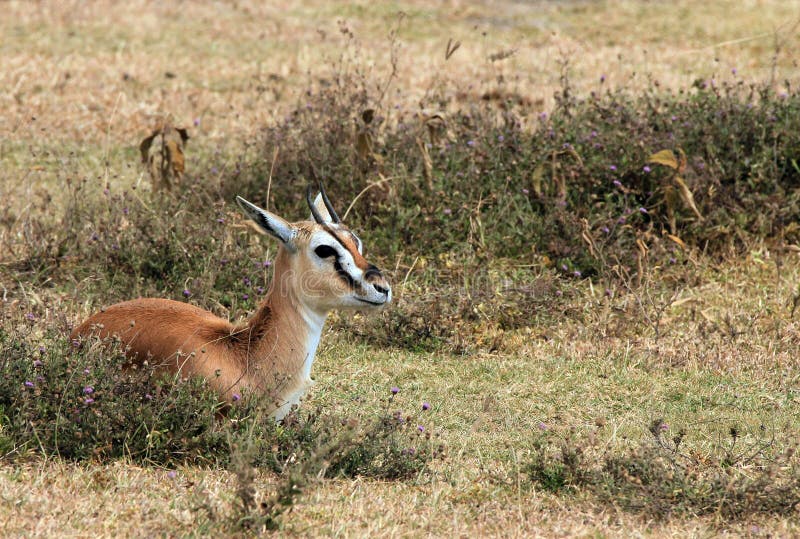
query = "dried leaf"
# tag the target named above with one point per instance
(363, 144)
(502, 55)
(586, 236)
(175, 157)
(368, 115)
(162, 153)
(451, 48)
(642, 246)
(427, 164)
(536, 179)
(687, 196)
(571, 151)
(436, 126)
(664, 157)
(682, 161)
(677, 240)
(671, 198)
(641, 260)
(144, 147)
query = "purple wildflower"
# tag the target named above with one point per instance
(235, 397)
(543, 116)
(564, 267)
(643, 210)
(86, 371)
(37, 363)
(447, 211)
(613, 168)
(542, 425)
(148, 396)
(196, 122)
(425, 406)
(602, 78)
(605, 230)
(88, 400)
(500, 138)
(88, 390)
(172, 474)
(28, 383)
(186, 292)
(525, 191)
(30, 316)
(245, 297)
(576, 273)
(646, 169)
(420, 428)
(395, 390)
(617, 183)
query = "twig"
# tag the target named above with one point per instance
(364, 190)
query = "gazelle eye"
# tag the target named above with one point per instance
(325, 251)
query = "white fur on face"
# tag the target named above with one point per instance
(338, 272)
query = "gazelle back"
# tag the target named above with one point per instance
(319, 267)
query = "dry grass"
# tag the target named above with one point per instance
(55, 499)
(84, 81)
(95, 75)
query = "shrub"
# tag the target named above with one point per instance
(78, 403)
(659, 480)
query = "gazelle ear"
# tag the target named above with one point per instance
(268, 222)
(319, 204)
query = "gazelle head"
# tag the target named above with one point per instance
(321, 260)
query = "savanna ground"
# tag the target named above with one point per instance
(608, 344)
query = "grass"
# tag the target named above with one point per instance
(517, 357)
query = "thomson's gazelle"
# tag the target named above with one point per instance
(319, 267)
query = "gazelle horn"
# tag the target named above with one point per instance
(315, 212)
(327, 201)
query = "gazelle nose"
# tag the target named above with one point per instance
(381, 289)
(374, 273)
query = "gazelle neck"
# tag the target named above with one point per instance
(287, 333)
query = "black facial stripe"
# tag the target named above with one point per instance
(373, 271)
(340, 271)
